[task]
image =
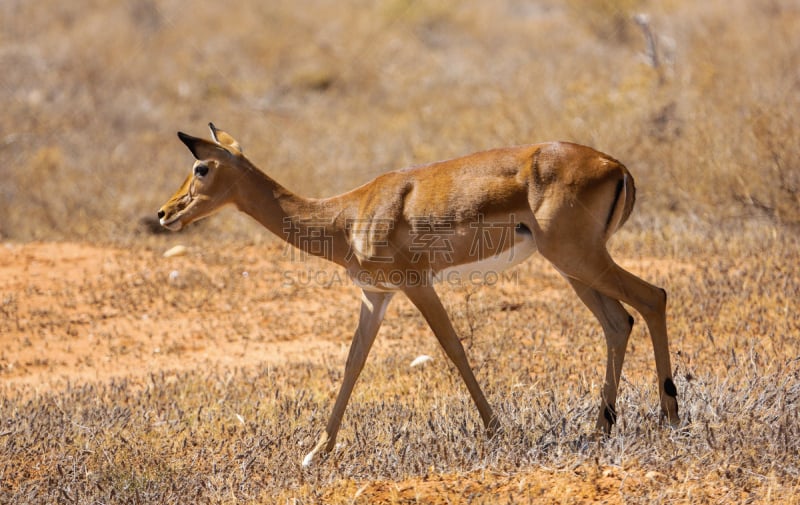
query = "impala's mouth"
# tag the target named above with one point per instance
(173, 224)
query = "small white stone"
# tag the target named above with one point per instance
(178, 250)
(420, 360)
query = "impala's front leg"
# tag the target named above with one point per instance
(373, 307)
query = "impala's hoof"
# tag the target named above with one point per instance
(494, 428)
(669, 409)
(309, 458)
(672, 419)
(321, 446)
(606, 419)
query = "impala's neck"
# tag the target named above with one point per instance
(302, 222)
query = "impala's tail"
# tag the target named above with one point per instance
(622, 206)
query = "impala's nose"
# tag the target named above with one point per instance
(161, 214)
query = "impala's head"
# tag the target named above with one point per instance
(209, 186)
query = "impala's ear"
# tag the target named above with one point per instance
(203, 149)
(224, 139)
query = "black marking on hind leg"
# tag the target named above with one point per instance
(617, 193)
(523, 229)
(669, 388)
(630, 320)
(610, 414)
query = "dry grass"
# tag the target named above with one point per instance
(125, 383)
(160, 417)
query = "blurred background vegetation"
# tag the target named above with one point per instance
(698, 99)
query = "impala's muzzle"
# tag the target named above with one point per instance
(170, 216)
(173, 214)
(173, 223)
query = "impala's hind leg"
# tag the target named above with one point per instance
(594, 268)
(617, 324)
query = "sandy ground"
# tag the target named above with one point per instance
(66, 318)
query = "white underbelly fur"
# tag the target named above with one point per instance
(477, 272)
(483, 269)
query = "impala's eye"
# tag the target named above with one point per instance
(201, 170)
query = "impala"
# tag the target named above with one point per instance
(407, 229)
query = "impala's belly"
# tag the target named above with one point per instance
(477, 256)
(487, 267)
